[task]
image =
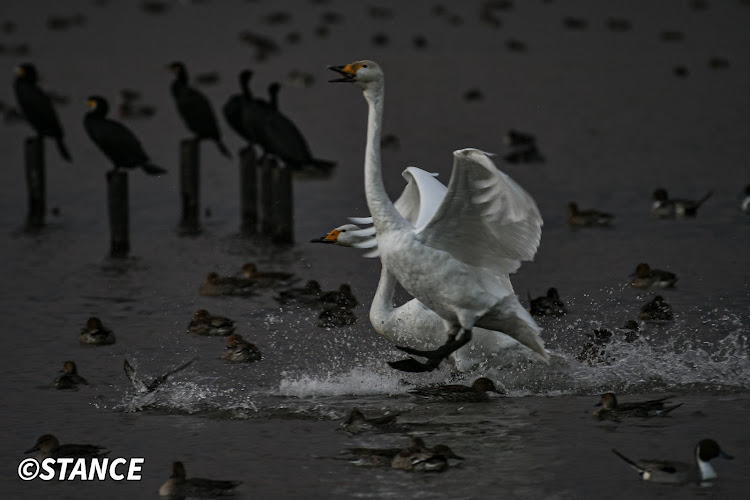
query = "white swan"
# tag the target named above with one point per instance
(411, 323)
(457, 264)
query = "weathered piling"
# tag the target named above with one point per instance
(35, 182)
(248, 192)
(283, 207)
(266, 196)
(190, 186)
(119, 218)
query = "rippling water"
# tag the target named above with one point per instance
(613, 122)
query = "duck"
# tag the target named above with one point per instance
(238, 350)
(412, 323)
(664, 207)
(383, 457)
(118, 143)
(465, 284)
(47, 446)
(217, 285)
(357, 423)
(664, 471)
(95, 333)
(547, 305)
(588, 217)
(426, 459)
(646, 277)
(141, 386)
(195, 108)
(36, 106)
(335, 317)
(307, 295)
(178, 485)
(203, 323)
(656, 310)
(70, 378)
(611, 409)
(342, 298)
(250, 271)
(745, 205)
(594, 351)
(476, 393)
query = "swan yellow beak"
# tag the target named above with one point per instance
(349, 72)
(328, 238)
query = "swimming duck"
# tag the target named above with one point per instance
(594, 352)
(341, 298)
(477, 393)
(383, 457)
(645, 277)
(547, 305)
(426, 459)
(587, 218)
(203, 323)
(178, 485)
(665, 207)
(238, 350)
(217, 285)
(47, 446)
(662, 471)
(95, 333)
(657, 310)
(264, 278)
(610, 409)
(308, 294)
(141, 386)
(70, 378)
(357, 423)
(334, 317)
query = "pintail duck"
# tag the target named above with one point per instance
(587, 218)
(238, 350)
(547, 305)
(141, 386)
(178, 485)
(357, 423)
(665, 207)
(341, 298)
(47, 446)
(663, 471)
(656, 310)
(70, 378)
(594, 352)
(382, 457)
(611, 410)
(477, 393)
(95, 333)
(203, 323)
(217, 285)
(645, 277)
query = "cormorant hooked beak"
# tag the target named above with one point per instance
(349, 74)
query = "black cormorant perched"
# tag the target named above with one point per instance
(235, 108)
(115, 140)
(279, 136)
(37, 107)
(195, 109)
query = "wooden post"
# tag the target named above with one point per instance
(35, 181)
(117, 203)
(248, 192)
(266, 196)
(283, 207)
(190, 186)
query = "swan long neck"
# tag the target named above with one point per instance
(384, 214)
(382, 303)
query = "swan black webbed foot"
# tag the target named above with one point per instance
(434, 358)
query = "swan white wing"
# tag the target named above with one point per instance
(486, 219)
(421, 196)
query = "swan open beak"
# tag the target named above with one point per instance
(328, 238)
(347, 71)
